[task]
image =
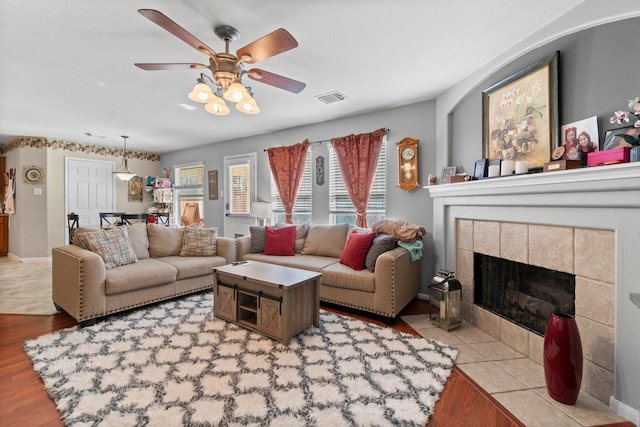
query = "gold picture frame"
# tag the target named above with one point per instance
(135, 189)
(520, 115)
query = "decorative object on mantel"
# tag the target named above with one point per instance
(447, 173)
(626, 136)
(520, 115)
(562, 357)
(408, 164)
(580, 138)
(480, 169)
(562, 165)
(609, 157)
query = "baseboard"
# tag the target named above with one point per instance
(423, 297)
(624, 410)
(27, 260)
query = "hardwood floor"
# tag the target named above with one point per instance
(25, 402)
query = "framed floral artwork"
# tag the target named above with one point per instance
(520, 115)
(135, 189)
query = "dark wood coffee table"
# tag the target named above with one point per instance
(279, 302)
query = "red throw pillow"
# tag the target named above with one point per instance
(280, 241)
(356, 249)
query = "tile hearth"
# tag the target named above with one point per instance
(514, 380)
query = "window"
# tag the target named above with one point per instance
(240, 183)
(302, 207)
(340, 207)
(189, 190)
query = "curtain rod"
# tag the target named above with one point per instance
(386, 132)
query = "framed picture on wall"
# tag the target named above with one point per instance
(520, 115)
(135, 189)
(612, 138)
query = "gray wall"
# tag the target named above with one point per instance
(416, 121)
(598, 73)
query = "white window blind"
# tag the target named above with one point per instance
(239, 188)
(303, 201)
(190, 182)
(339, 201)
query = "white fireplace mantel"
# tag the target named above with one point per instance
(605, 197)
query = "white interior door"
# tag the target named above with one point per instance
(89, 189)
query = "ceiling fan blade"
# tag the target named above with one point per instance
(169, 66)
(163, 21)
(276, 80)
(270, 45)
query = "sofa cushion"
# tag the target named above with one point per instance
(381, 244)
(139, 239)
(113, 245)
(301, 235)
(145, 273)
(189, 267)
(258, 236)
(199, 241)
(341, 276)
(280, 241)
(163, 240)
(79, 240)
(356, 249)
(325, 240)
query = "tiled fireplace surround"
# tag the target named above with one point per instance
(582, 221)
(589, 254)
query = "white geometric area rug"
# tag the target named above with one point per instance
(174, 364)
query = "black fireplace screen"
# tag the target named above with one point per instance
(522, 293)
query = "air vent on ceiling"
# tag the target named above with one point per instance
(331, 97)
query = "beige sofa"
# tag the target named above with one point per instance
(85, 288)
(394, 282)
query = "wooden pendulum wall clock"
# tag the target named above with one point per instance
(408, 163)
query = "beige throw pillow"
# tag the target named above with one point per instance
(113, 245)
(139, 239)
(199, 242)
(301, 235)
(325, 240)
(164, 241)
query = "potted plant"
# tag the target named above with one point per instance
(633, 113)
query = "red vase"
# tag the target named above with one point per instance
(563, 358)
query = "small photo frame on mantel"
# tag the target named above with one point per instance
(480, 169)
(447, 173)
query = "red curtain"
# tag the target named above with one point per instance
(287, 167)
(357, 157)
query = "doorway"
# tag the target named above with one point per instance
(88, 190)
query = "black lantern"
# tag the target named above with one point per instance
(445, 300)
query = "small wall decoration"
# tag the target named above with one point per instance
(520, 115)
(319, 170)
(612, 137)
(135, 189)
(33, 175)
(408, 164)
(212, 176)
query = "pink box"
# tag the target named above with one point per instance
(609, 157)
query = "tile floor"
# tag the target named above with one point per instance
(512, 379)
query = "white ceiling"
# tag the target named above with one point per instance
(66, 66)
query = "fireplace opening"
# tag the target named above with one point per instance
(522, 293)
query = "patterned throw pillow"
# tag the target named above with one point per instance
(199, 242)
(257, 239)
(112, 244)
(381, 244)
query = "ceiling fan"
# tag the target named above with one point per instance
(226, 68)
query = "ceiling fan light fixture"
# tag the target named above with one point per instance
(236, 92)
(217, 107)
(248, 106)
(201, 93)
